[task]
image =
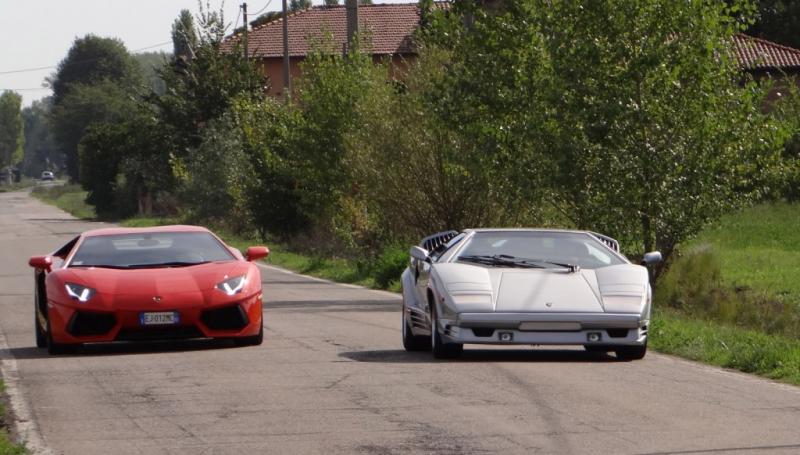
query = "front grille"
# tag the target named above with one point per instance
(84, 324)
(226, 318)
(159, 333)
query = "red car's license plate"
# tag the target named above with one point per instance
(160, 318)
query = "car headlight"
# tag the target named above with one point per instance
(79, 292)
(233, 286)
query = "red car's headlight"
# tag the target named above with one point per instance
(79, 292)
(233, 286)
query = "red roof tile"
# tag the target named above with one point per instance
(756, 53)
(389, 26)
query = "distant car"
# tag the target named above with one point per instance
(129, 284)
(525, 286)
(47, 175)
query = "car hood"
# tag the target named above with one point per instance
(151, 282)
(473, 288)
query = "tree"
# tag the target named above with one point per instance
(40, 152)
(779, 21)
(296, 5)
(331, 3)
(12, 136)
(184, 36)
(90, 61)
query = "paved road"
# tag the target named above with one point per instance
(332, 378)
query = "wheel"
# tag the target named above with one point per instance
(413, 342)
(41, 335)
(54, 348)
(440, 349)
(596, 348)
(628, 353)
(254, 340)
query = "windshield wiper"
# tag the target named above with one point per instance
(571, 267)
(500, 260)
(157, 265)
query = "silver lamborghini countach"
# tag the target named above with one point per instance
(525, 286)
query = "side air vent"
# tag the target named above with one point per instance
(435, 241)
(483, 332)
(611, 243)
(617, 333)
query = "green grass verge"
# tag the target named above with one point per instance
(16, 186)
(759, 248)
(771, 356)
(69, 198)
(7, 447)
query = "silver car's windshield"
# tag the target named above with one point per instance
(148, 250)
(538, 248)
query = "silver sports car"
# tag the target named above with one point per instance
(525, 286)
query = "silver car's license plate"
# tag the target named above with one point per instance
(160, 318)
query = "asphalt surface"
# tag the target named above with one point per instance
(332, 377)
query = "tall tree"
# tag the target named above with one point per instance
(90, 61)
(779, 21)
(40, 152)
(296, 5)
(184, 36)
(11, 130)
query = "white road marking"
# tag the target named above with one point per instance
(24, 423)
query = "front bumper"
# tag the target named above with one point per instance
(73, 324)
(545, 329)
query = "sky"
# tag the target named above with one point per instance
(38, 33)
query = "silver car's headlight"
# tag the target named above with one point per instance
(624, 303)
(79, 292)
(233, 286)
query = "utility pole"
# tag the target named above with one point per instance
(352, 22)
(287, 82)
(244, 14)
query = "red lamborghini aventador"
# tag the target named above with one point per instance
(160, 283)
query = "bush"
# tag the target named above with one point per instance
(387, 267)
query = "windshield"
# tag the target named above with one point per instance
(537, 249)
(151, 249)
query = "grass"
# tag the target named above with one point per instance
(759, 248)
(7, 447)
(69, 198)
(22, 184)
(750, 351)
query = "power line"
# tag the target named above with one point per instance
(25, 89)
(262, 9)
(41, 68)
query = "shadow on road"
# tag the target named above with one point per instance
(482, 355)
(123, 348)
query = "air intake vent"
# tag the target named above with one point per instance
(88, 324)
(484, 332)
(226, 318)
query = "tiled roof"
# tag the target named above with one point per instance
(756, 53)
(390, 27)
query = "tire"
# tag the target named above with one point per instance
(54, 348)
(628, 353)
(254, 340)
(41, 335)
(411, 342)
(440, 349)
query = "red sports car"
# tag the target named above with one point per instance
(160, 283)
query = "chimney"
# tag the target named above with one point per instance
(352, 21)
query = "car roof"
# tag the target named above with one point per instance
(139, 230)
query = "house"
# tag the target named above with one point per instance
(390, 28)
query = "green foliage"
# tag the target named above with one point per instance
(94, 83)
(40, 152)
(12, 137)
(296, 5)
(331, 2)
(150, 64)
(386, 267)
(69, 198)
(779, 21)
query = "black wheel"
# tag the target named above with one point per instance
(54, 348)
(254, 340)
(413, 342)
(41, 335)
(628, 353)
(440, 349)
(596, 348)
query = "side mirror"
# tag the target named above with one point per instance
(652, 258)
(419, 253)
(255, 253)
(41, 262)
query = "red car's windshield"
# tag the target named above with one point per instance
(151, 249)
